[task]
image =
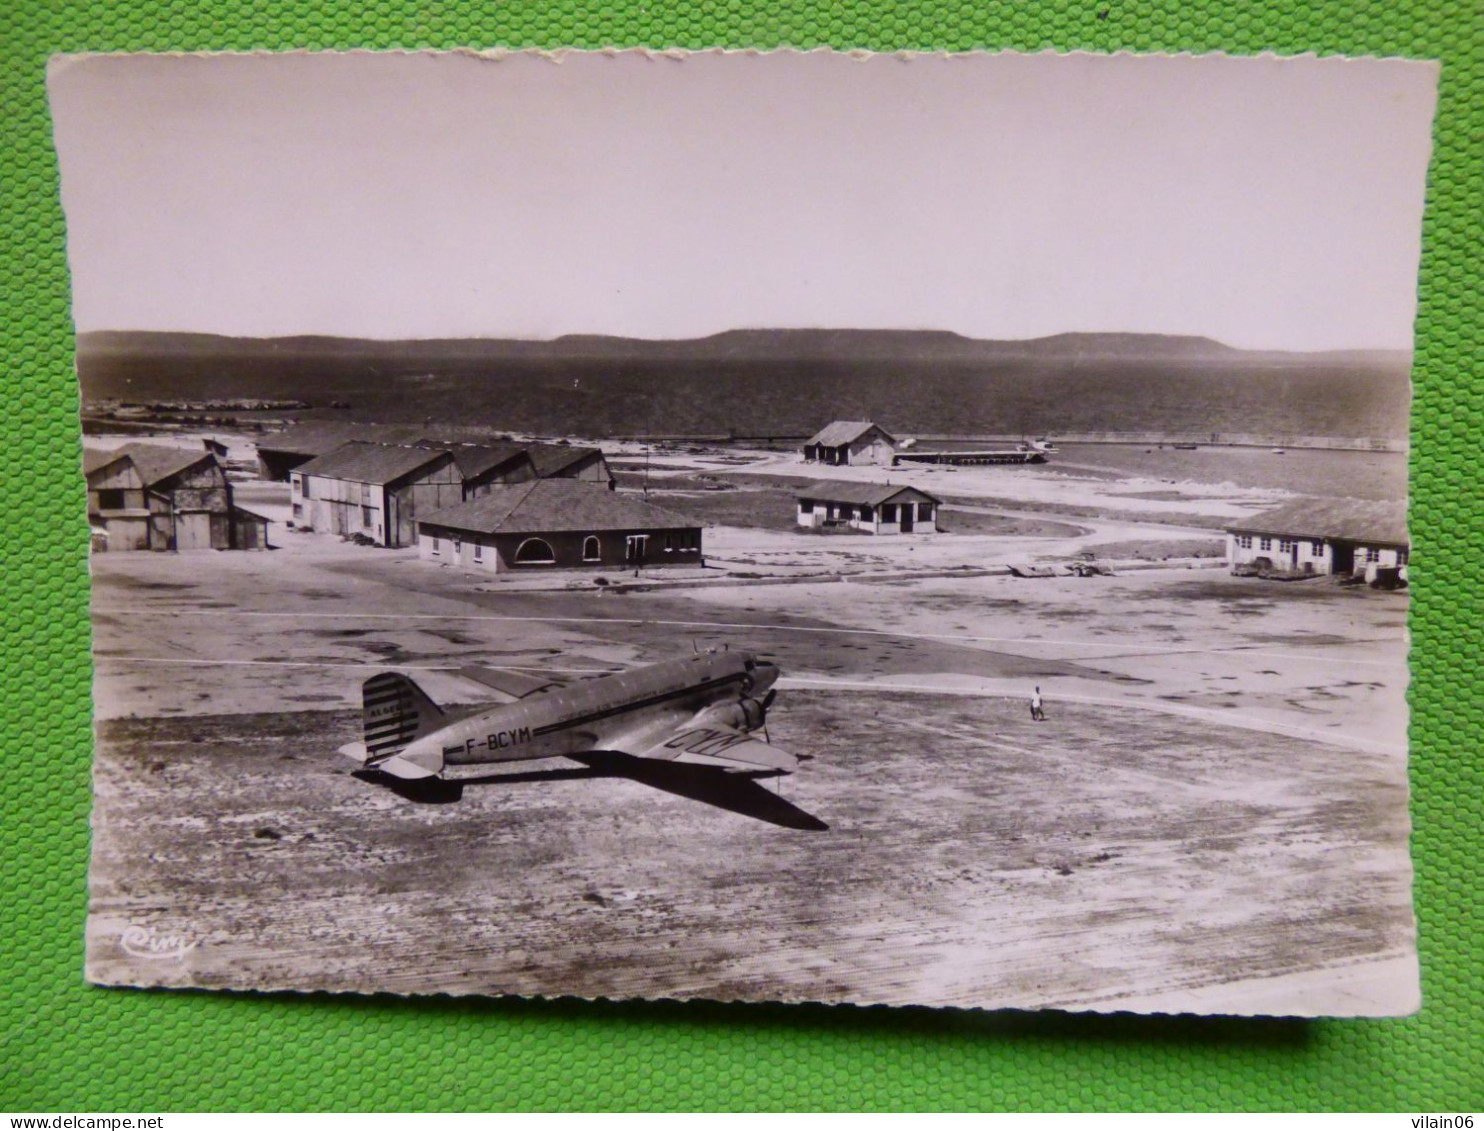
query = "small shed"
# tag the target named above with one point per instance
(558, 524)
(1338, 536)
(872, 508)
(374, 490)
(851, 442)
(153, 497)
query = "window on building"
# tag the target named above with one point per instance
(592, 550)
(1372, 554)
(1266, 544)
(437, 547)
(366, 516)
(298, 511)
(1402, 557)
(479, 551)
(111, 499)
(1287, 545)
(865, 514)
(304, 487)
(888, 512)
(1244, 541)
(458, 545)
(298, 485)
(534, 551)
(1316, 549)
(925, 512)
(806, 506)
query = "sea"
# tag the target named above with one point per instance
(1318, 472)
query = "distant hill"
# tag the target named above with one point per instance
(777, 381)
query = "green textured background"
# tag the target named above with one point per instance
(65, 1046)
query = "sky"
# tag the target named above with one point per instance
(1267, 203)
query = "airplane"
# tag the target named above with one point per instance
(700, 710)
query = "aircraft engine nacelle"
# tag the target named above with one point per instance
(744, 715)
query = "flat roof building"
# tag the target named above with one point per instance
(558, 524)
(871, 508)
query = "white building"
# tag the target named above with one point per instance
(871, 508)
(1339, 536)
(851, 441)
(375, 490)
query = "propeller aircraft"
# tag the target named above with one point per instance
(700, 710)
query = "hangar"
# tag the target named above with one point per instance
(281, 452)
(871, 508)
(483, 466)
(558, 524)
(152, 497)
(374, 490)
(566, 461)
(851, 441)
(1328, 536)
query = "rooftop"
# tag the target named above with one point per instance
(552, 459)
(365, 462)
(552, 505)
(869, 494)
(845, 432)
(474, 460)
(154, 462)
(1353, 520)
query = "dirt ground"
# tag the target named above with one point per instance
(1100, 860)
(1212, 818)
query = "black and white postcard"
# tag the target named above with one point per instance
(779, 526)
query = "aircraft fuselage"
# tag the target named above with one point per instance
(595, 714)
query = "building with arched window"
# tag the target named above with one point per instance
(550, 524)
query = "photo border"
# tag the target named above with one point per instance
(104, 1049)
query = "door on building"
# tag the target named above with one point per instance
(193, 530)
(1344, 557)
(908, 512)
(634, 548)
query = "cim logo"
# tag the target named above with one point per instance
(142, 942)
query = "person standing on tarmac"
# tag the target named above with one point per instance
(1036, 712)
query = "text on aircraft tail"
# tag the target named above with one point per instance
(394, 712)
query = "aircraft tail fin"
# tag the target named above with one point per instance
(394, 712)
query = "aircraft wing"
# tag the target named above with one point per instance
(712, 745)
(513, 684)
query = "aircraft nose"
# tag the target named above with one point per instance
(764, 675)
